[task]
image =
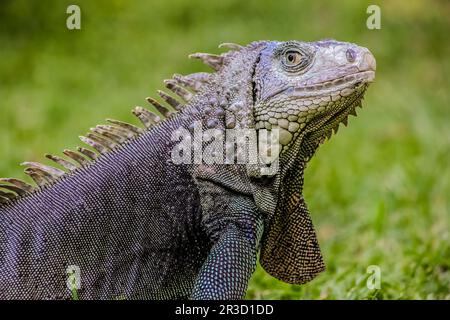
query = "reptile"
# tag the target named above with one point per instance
(138, 223)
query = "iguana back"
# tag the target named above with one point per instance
(113, 220)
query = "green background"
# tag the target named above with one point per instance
(378, 192)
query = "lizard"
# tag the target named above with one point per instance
(139, 225)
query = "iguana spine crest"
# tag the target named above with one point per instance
(104, 138)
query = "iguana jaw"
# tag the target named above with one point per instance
(324, 124)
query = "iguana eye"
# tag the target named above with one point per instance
(295, 59)
(292, 58)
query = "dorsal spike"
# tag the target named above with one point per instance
(126, 126)
(88, 153)
(21, 185)
(213, 60)
(3, 200)
(53, 172)
(230, 45)
(117, 131)
(17, 190)
(8, 195)
(193, 81)
(162, 109)
(172, 85)
(108, 135)
(101, 140)
(97, 146)
(41, 178)
(62, 162)
(170, 100)
(186, 83)
(82, 161)
(147, 117)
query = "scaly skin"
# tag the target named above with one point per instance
(141, 226)
(306, 102)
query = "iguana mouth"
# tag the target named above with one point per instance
(336, 85)
(328, 86)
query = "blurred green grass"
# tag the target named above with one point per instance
(378, 192)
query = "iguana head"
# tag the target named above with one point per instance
(305, 90)
(308, 88)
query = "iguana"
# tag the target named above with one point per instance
(139, 225)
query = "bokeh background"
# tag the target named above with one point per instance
(378, 192)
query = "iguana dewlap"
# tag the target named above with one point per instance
(140, 225)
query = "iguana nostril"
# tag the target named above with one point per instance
(351, 55)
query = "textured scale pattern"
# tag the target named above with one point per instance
(117, 235)
(140, 226)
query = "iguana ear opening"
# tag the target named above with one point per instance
(290, 250)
